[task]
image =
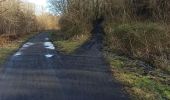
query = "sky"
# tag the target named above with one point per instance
(39, 2)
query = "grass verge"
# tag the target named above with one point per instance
(7, 47)
(141, 86)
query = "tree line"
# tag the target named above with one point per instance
(19, 16)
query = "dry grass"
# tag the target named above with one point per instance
(147, 41)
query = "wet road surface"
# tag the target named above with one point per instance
(38, 72)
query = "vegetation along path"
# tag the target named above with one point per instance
(38, 72)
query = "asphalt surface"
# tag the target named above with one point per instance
(38, 72)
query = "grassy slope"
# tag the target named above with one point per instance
(9, 47)
(144, 38)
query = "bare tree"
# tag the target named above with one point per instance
(16, 16)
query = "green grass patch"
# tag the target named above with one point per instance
(68, 46)
(141, 87)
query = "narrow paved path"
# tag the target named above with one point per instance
(38, 72)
